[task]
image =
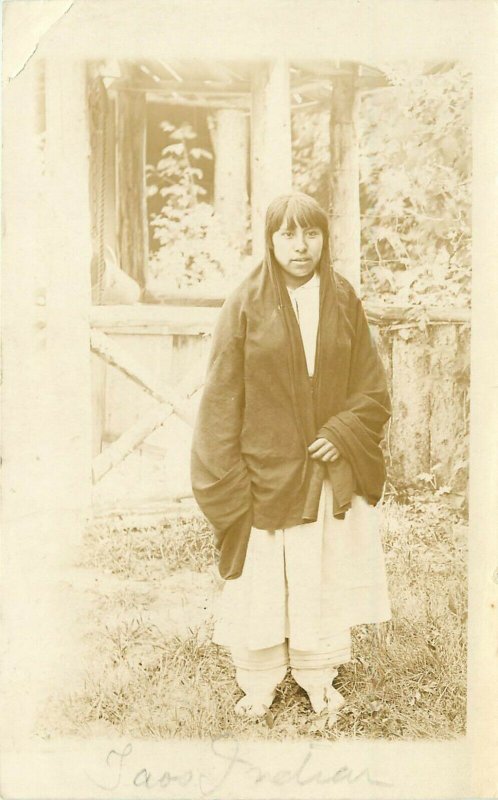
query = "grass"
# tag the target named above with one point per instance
(406, 679)
(147, 552)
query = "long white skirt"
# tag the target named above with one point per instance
(307, 582)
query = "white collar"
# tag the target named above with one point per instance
(313, 283)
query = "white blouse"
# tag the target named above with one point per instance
(306, 303)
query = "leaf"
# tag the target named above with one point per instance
(166, 126)
(177, 149)
(198, 152)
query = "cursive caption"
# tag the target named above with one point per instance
(228, 762)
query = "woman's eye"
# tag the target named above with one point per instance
(313, 234)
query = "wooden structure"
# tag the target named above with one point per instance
(427, 372)
(235, 94)
(46, 391)
(420, 438)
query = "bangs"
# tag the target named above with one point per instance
(295, 210)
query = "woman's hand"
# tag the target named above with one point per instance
(323, 450)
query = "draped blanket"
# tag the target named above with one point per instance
(260, 411)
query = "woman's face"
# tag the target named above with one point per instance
(298, 252)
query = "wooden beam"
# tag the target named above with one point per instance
(226, 87)
(129, 440)
(197, 314)
(242, 103)
(132, 225)
(230, 172)
(118, 357)
(46, 399)
(154, 319)
(344, 209)
(271, 152)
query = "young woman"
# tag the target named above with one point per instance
(287, 464)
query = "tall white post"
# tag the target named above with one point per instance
(271, 152)
(345, 228)
(230, 171)
(46, 395)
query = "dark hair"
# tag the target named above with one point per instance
(297, 209)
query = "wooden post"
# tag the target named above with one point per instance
(133, 235)
(230, 172)
(271, 153)
(46, 400)
(409, 433)
(345, 178)
(448, 413)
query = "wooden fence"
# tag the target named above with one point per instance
(426, 362)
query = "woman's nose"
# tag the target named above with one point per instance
(300, 243)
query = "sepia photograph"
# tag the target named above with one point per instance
(239, 399)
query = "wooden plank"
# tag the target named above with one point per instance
(412, 314)
(126, 401)
(345, 230)
(187, 352)
(46, 396)
(186, 318)
(153, 319)
(410, 430)
(271, 152)
(133, 236)
(230, 172)
(146, 424)
(129, 440)
(448, 414)
(119, 358)
(98, 372)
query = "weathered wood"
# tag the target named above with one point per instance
(146, 424)
(129, 440)
(448, 415)
(271, 152)
(119, 358)
(383, 341)
(190, 316)
(154, 319)
(188, 351)
(412, 383)
(410, 427)
(345, 177)
(126, 402)
(98, 370)
(46, 403)
(410, 314)
(230, 172)
(132, 227)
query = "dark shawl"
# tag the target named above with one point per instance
(260, 411)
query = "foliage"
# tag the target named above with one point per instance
(415, 172)
(194, 248)
(310, 154)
